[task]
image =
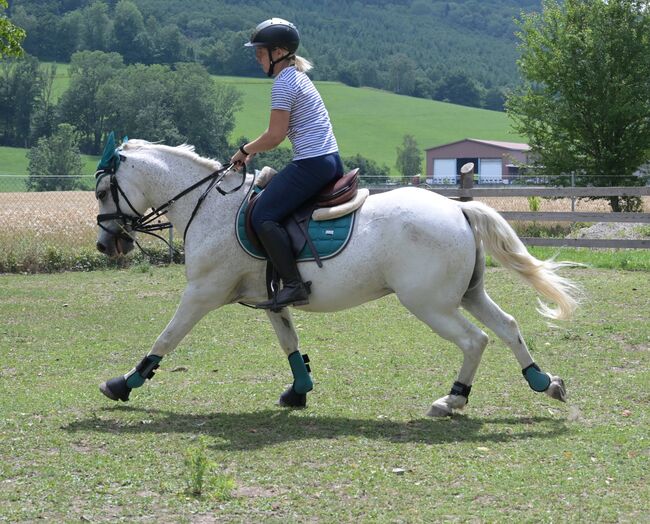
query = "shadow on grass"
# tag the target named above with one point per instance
(247, 431)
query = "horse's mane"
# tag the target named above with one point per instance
(184, 150)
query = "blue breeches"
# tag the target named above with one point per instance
(291, 187)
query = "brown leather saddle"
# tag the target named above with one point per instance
(296, 225)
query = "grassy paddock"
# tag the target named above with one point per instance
(14, 162)
(203, 441)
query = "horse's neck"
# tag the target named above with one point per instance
(180, 175)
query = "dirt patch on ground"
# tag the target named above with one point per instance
(614, 230)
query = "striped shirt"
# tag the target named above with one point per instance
(310, 130)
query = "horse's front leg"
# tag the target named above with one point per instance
(198, 299)
(296, 395)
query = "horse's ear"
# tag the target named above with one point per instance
(109, 151)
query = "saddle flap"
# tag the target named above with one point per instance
(248, 223)
(328, 237)
(291, 224)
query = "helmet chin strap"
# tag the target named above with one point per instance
(269, 73)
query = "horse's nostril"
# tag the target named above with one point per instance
(101, 247)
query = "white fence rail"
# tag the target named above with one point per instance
(561, 216)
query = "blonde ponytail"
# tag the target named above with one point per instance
(302, 64)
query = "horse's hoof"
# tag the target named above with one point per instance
(445, 406)
(439, 409)
(557, 390)
(116, 389)
(291, 399)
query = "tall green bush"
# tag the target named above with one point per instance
(55, 162)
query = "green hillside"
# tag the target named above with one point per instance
(366, 121)
(373, 123)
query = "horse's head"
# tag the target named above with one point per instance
(119, 200)
(140, 176)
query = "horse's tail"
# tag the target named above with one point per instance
(501, 241)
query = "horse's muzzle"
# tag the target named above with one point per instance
(114, 245)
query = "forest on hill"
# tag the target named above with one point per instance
(461, 51)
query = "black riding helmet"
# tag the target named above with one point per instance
(272, 33)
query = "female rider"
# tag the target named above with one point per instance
(297, 112)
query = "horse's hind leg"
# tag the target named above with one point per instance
(296, 395)
(479, 304)
(453, 326)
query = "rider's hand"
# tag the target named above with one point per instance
(240, 158)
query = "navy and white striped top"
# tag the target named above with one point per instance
(310, 129)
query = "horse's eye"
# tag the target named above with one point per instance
(101, 195)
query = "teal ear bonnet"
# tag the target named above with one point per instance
(110, 160)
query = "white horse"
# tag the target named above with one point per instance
(427, 249)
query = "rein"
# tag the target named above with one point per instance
(144, 223)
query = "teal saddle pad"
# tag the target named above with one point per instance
(329, 236)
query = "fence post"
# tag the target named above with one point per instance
(467, 179)
(171, 244)
(573, 199)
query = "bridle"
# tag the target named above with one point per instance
(140, 223)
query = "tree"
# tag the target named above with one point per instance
(44, 117)
(409, 158)
(204, 109)
(168, 43)
(55, 163)
(401, 74)
(585, 103)
(11, 36)
(182, 105)
(349, 74)
(371, 172)
(96, 27)
(69, 35)
(79, 106)
(424, 87)
(458, 88)
(20, 88)
(494, 99)
(226, 55)
(367, 70)
(139, 103)
(127, 26)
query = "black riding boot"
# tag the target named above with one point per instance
(276, 242)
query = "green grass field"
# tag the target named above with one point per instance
(14, 160)
(362, 451)
(14, 163)
(61, 79)
(366, 121)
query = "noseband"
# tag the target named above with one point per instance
(139, 223)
